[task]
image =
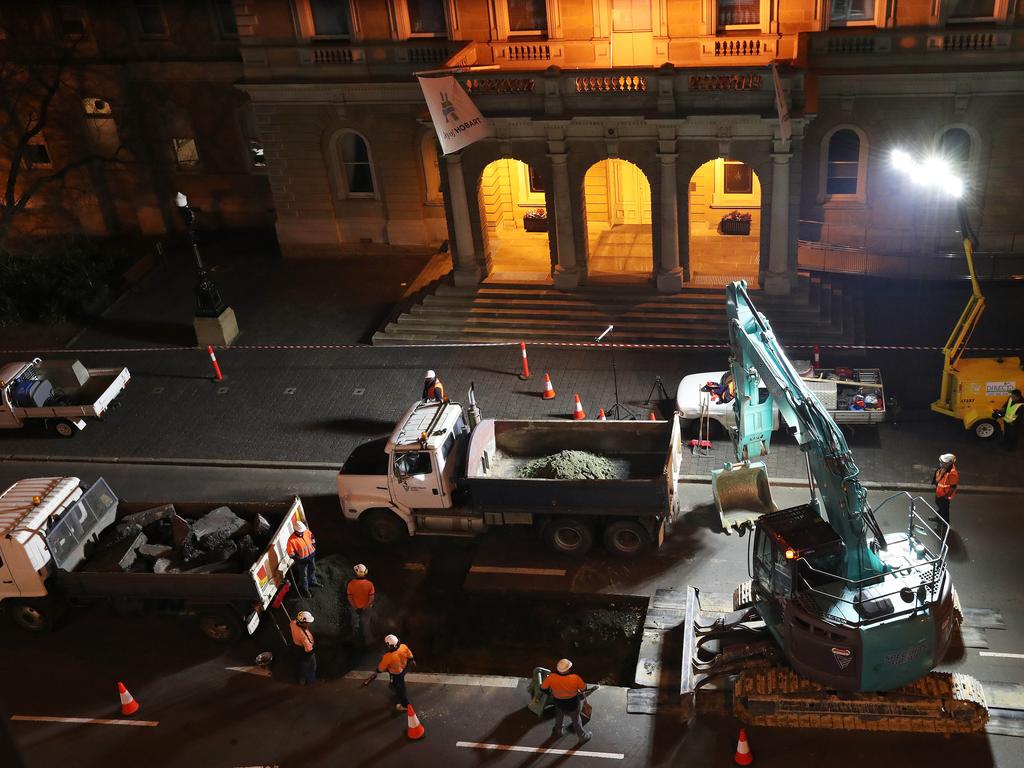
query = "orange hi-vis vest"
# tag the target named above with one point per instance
(435, 391)
(301, 547)
(302, 637)
(946, 482)
(395, 661)
(360, 593)
(563, 686)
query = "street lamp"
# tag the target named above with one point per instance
(214, 321)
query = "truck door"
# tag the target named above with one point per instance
(7, 418)
(8, 587)
(415, 480)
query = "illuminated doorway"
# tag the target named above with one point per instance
(515, 224)
(725, 223)
(620, 246)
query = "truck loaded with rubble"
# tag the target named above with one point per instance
(63, 543)
(445, 471)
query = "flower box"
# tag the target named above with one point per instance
(735, 223)
(536, 221)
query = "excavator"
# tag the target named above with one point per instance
(841, 624)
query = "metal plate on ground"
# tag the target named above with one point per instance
(1005, 722)
(648, 663)
(984, 618)
(973, 637)
(1004, 695)
(650, 701)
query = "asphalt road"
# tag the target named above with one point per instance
(208, 715)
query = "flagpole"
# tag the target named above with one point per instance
(457, 70)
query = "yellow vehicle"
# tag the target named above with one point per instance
(973, 387)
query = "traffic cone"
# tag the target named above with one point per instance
(653, 417)
(743, 754)
(601, 416)
(415, 729)
(549, 391)
(129, 706)
(577, 409)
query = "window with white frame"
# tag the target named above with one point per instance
(101, 130)
(739, 13)
(431, 169)
(356, 169)
(149, 18)
(851, 13)
(330, 18)
(527, 17)
(224, 12)
(427, 18)
(844, 166)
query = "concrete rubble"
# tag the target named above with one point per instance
(570, 465)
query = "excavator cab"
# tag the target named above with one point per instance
(784, 539)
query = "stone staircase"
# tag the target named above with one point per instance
(820, 310)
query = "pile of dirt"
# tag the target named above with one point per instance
(570, 465)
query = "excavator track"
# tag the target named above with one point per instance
(940, 702)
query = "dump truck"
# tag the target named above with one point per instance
(443, 470)
(61, 394)
(55, 554)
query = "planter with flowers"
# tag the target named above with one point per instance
(536, 220)
(735, 223)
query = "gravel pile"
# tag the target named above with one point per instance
(570, 465)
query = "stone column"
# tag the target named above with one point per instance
(670, 276)
(567, 274)
(467, 271)
(779, 280)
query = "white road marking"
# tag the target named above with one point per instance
(540, 750)
(258, 671)
(1002, 655)
(518, 571)
(85, 720)
(480, 681)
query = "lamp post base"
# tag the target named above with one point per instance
(219, 331)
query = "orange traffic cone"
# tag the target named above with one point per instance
(601, 416)
(653, 417)
(549, 391)
(415, 729)
(743, 754)
(129, 706)
(577, 409)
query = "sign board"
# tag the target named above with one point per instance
(999, 388)
(456, 119)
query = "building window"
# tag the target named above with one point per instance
(955, 147)
(739, 13)
(968, 10)
(101, 129)
(536, 181)
(431, 169)
(36, 153)
(843, 172)
(330, 18)
(426, 17)
(845, 12)
(529, 16)
(355, 162)
(253, 143)
(150, 18)
(227, 24)
(186, 154)
(69, 20)
(737, 178)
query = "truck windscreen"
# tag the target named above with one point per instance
(88, 516)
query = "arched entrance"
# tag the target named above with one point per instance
(617, 203)
(725, 223)
(513, 215)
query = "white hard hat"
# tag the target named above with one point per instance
(429, 375)
(300, 527)
(304, 616)
(948, 458)
(361, 570)
(563, 666)
(391, 640)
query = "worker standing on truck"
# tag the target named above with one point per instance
(568, 693)
(302, 647)
(945, 481)
(433, 389)
(302, 549)
(361, 595)
(1010, 414)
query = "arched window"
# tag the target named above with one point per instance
(955, 147)
(353, 157)
(843, 174)
(431, 169)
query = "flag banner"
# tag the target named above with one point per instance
(456, 119)
(785, 128)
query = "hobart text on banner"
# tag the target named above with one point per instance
(456, 119)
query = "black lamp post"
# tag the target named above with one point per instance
(209, 302)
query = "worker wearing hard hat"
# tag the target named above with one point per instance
(302, 647)
(1010, 414)
(301, 548)
(433, 389)
(361, 595)
(945, 481)
(396, 663)
(567, 690)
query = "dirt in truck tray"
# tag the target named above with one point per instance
(577, 465)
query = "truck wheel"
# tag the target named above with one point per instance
(626, 538)
(220, 624)
(33, 615)
(383, 527)
(62, 427)
(985, 429)
(569, 536)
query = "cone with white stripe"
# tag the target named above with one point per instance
(129, 706)
(549, 391)
(601, 416)
(577, 409)
(415, 729)
(743, 754)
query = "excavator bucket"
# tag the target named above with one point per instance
(742, 494)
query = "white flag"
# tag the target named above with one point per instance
(785, 128)
(456, 119)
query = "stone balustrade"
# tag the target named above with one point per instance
(854, 47)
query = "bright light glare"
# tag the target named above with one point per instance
(934, 172)
(900, 160)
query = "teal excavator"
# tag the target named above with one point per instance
(841, 624)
